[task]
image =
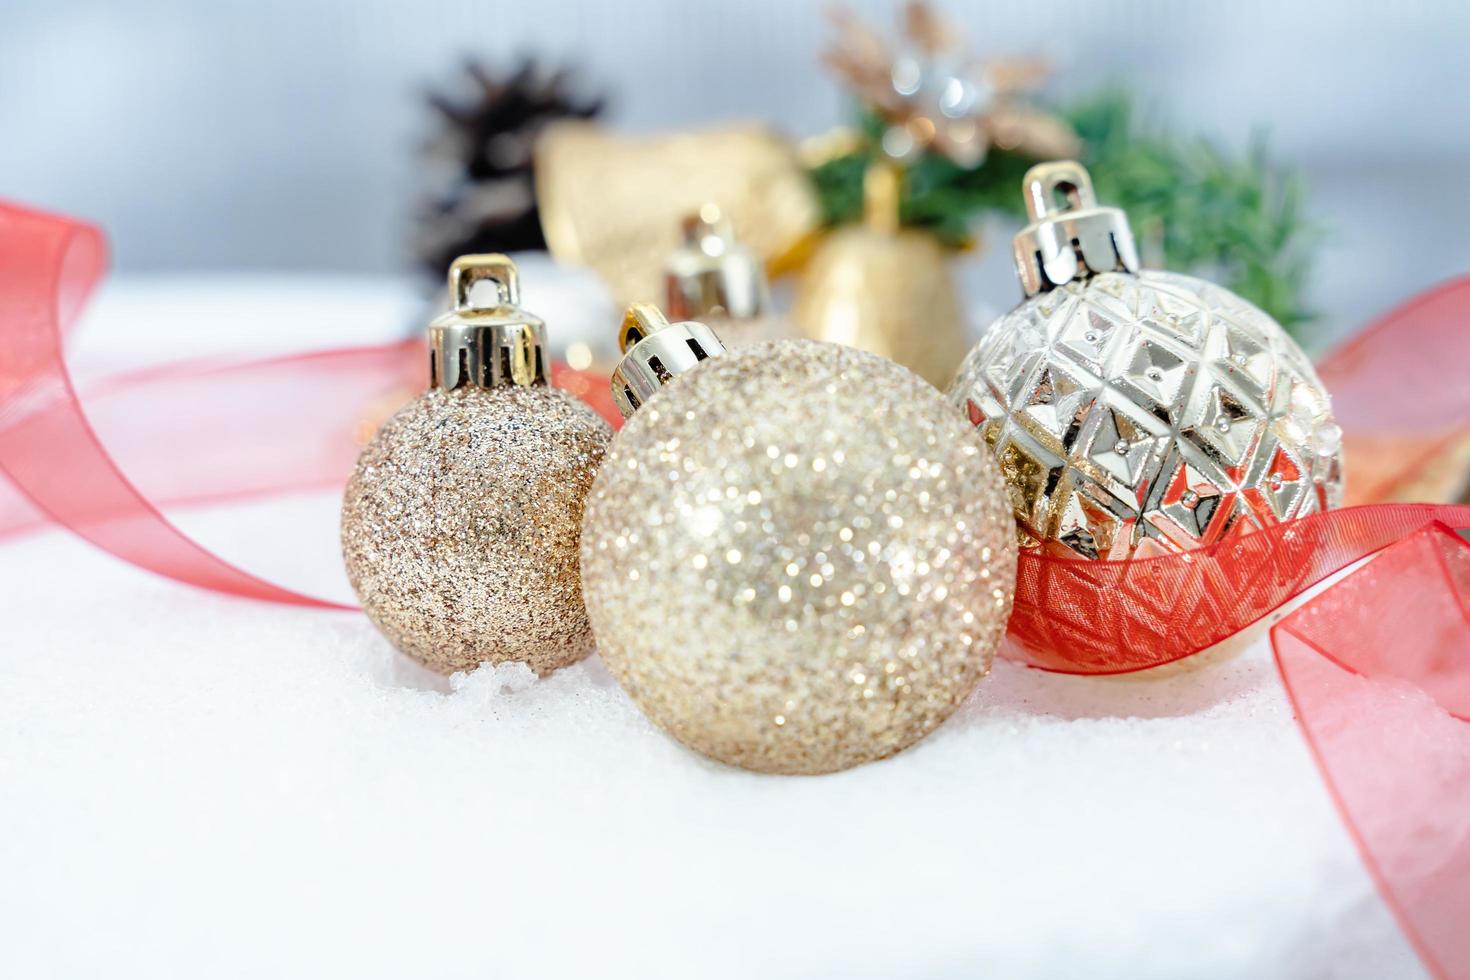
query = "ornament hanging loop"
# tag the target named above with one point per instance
(470, 270)
(641, 320)
(486, 346)
(1045, 181)
(1072, 241)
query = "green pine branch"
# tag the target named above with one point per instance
(1194, 207)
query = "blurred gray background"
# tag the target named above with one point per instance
(283, 134)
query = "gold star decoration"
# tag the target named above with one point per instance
(932, 94)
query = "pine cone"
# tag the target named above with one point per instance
(479, 166)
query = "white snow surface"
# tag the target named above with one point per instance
(193, 785)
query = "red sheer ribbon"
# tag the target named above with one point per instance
(1378, 670)
(1377, 666)
(204, 431)
(48, 266)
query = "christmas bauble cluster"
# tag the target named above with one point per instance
(797, 556)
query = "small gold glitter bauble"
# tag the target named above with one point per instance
(460, 524)
(797, 557)
(1136, 413)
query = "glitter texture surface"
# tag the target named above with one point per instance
(460, 526)
(798, 557)
(752, 330)
(1140, 414)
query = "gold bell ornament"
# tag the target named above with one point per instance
(884, 289)
(1136, 412)
(460, 524)
(797, 557)
(713, 278)
(873, 284)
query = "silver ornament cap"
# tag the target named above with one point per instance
(1072, 240)
(712, 274)
(486, 345)
(655, 352)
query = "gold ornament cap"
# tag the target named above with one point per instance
(882, 196)
(486, 346)
(1063, 244)
(655, 352)
(711, 273)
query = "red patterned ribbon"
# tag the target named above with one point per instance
(1377, 665)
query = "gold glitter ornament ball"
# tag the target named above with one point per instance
(460, 524)
(797, 557)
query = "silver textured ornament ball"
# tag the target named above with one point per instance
(797, 557)
(1136, 412)
(460, 524)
